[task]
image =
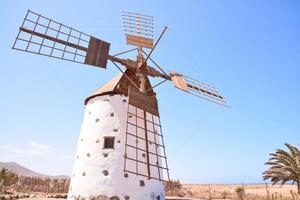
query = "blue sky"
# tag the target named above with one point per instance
(248, 49)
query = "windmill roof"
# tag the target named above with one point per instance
(106, 88)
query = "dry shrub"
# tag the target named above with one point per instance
(174, 188)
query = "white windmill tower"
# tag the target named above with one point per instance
(120, 152)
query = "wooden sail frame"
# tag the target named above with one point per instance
(138, 29)
(144, 137)
(198, 88)
(44, 36)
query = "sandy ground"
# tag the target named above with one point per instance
(252, 192)
(42, 198)
(259, 191)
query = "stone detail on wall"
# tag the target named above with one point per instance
(142, 183)
(105, 172)
(105, 154)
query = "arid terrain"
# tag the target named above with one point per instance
(27, 184)
(207, 192)
(246, 192)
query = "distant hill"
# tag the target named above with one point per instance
(21, 170)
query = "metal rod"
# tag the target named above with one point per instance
(139, 161)
(126, 139)
(145, 61)
(57, 22)
(54, 43)
(163, 144)
(125, 52)
(134, 27)
(157, 158)
(141, 33)
(137, 14)
(155, 64)
(19, 30)
(142, 137)
(67, 41)
(147, 145)
(134, 20)
(133, 147)
(44, 45)
(150, 27)
(57, 30)
(44, 38)
(156, 85)
(33, 30)
(142, 127)
(146, 176)
(137, 17)
(125, 75)
(76, 48)
(136, 135)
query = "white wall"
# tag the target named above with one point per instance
(107, 116)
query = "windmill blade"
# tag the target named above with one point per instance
(43, 36)
(197, 88)
(138, 29)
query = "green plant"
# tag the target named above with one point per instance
(240, 191)
(284, 166)
(7, 178)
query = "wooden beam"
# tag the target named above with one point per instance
(179, 82)
(139, 41)
(147, 145)
(53, 39)
(97, 53)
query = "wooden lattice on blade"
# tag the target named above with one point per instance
(145, 153)
(138, 29)
(44, 36)
(198, 88)
(145, 150)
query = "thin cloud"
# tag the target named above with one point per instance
(35, 149)
(31, 152)
(4, 147)
(39, 146)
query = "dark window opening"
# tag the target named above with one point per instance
(109, 143)
(142, 183)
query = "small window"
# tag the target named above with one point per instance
(109, 143)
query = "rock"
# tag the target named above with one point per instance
(114, 198)
(6, 197)
(102, 197)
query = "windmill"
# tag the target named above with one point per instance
(121, 151)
